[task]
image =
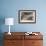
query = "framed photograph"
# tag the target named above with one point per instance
(27, 16)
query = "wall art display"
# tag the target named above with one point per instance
(27, 16)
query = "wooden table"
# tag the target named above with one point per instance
(20, 39)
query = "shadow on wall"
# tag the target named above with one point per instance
(2, 21)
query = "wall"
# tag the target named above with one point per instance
(9, 8)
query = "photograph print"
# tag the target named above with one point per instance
(27, 16)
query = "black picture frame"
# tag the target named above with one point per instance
(27, 16)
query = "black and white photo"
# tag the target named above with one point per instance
(27, 16)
